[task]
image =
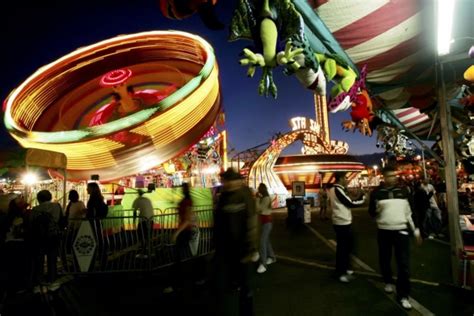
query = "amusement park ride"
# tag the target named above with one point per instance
(316, 166)
(158, 97)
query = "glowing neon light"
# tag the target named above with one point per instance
(162, 130)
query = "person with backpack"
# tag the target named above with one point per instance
(44, 240)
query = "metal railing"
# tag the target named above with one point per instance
(128, 243)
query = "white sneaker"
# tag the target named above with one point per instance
(388, 288)
(255, 256)
(261, 268)
(270, 261)
(344, 279)
(405, 303)
(350, 272)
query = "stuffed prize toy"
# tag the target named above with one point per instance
(361, 114)
(181, 9)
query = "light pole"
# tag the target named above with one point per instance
(375, 167)
(444, 14)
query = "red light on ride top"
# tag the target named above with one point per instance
(115, 77)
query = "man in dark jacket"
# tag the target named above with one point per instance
(235, 233)
(391, 209)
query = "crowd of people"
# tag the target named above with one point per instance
(242, 232)
(28, 236)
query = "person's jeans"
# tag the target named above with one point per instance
(234, 286)
(51, 253)
(399, 241)
(344, 240)
(145, 227)
(266, 249)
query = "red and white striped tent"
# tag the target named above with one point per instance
(395, 39)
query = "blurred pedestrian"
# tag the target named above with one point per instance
(145, 224)
(421, 204)
(186, 232)
(323, 203)
(433, 219)
(390, 207)
(235, 234)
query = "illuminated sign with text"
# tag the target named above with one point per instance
(299, 123)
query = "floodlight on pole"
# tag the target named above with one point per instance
(30, 179)
(445, 12)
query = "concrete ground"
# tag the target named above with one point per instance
(301, 282)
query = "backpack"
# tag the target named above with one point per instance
(44, 227)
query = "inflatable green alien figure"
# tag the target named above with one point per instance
(274, 25)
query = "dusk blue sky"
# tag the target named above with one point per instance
(37, 33)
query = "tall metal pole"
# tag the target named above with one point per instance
(64, 190)
(450, 174)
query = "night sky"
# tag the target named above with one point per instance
(37, 33)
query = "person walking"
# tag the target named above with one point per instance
(235, 235)
(264, 209)
(421, 204)
(341, 205)
(432, 224)
(145, 224)
(186, 231)
(390, 207)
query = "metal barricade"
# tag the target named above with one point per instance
(128, 243)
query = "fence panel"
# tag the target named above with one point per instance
(128, 243)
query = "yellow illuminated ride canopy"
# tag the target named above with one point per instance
(52, 108)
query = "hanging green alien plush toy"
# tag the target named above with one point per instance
(274, 25)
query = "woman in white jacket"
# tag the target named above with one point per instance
(264, 209)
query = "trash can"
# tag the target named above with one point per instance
(295, 209)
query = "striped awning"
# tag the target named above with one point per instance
(394, 39)
(417, 122)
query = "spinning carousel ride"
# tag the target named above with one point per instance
(120, 105)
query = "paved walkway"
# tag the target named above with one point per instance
(300, 283)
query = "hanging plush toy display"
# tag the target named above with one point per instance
(468, 93)
(277, 31)
(393, 141)
(464, 143)
(181, 9)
